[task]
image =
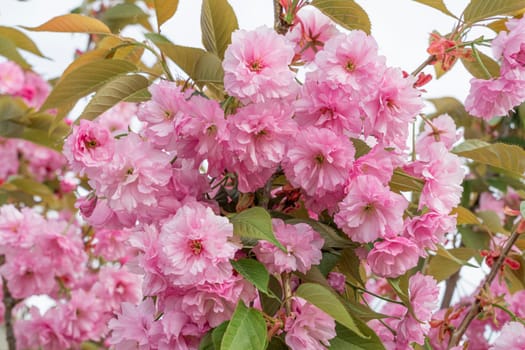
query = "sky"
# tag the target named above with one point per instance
(401, 28)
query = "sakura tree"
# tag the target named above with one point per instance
(279, 188)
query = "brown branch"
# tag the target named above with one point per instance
(422, 66)
(476, 308)
(9, 304)
(452, 282)
(279, 24)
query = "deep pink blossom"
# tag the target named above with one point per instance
(509, 46)
(256, 66)
(133, 325)
(393, 256)
(337, 280)
(303, 248)
(35, 90)
(308, 327)
(370, 210)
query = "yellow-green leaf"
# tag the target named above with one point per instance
(218, 21)
(438, 5)
(478, 10)
(499, 155)
(346, 13)
(325, 300)
(165, 9)
(118, 89)
(401, 181)
(9, 51)
(20, 40)
(465, 216)
(208, 69)
(121, 15)
(72, 23)
(477, 71)
(84, 80)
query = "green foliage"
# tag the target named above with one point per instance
(9, 50)
(164, 10)
(72, 23)
(346, 13)
(438, 5)
(507, 157)
(401, 181)
(347, 339)
(478, 70)
(254, 272)
(20, 40)
(255, 223)
(121, 15)
(86, 79)
(442, 266)
(117, 90)
(478, 10)
(246, 330)
(218, 21)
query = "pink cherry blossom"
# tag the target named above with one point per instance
(429, 229)
(310, 31)
(308, 327)
(370, 210)
(337, 280)
(512, 336)
(89, 146)
(440, 129)
(256, 66)
(352, 60)
(319, 161)
(303, 248)
(34, 91)
(510, 46)
(133, 325)
(42, 332)
(424, 295)
(259, 135)
(117, 119)
(393, 256)
(8, 158)
(196, 247)
(496, 97)
(11, 78)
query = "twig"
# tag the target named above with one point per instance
(9, 304)
(476, 308)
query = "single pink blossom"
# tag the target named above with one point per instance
(429, 229)
(512, 336)
(118, 118)
(132, 326)
(337, 280)
(370, 210)
(11, 78)
(440, 129)
(256, 66)
(303, 248)
(308, 327)
(393, 256)
(509, 46)
(35, 90)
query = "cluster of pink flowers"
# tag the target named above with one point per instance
(27, 85)
(497, 96)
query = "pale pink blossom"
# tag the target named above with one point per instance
(424, 296)
(110, 244)
(42, 332)
(89, 146)
(308, 327)
(319, 161)
(440, 129)
(370, 210)
(303, 248)
(509, 46)
(378, 162)
(11, 78)
(429, 229)
(352, 61)
(117, 119)
(43, 163)
(196, 247)
(310, 31)
(84, 317)
(35, 90)
(487, 201)
(117, 285)
(392, 257)
(259, 134)
(496, 97)
(8, 159)
(256, 66)
(512, 336)
(132, 326)
(337, 280)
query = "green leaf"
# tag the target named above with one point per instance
(165, 9)
(522, 209)
(492, 222)
(442, 266)
(255, 223)
(346, 339)
(20, 40)
(9, 51)
(121, 15)
(465, 216)
(346, 13)
(218, 333)
(452, 254)
(361, 147)
(254, 272)
(118, 89)
(499, 155)
(332, 239)
(218, 21)
(271, 305)
(478, 10)
(33, 188)
(349, 265)
(11, 110)
(477, 71)
(438, 5)
(72, 23)
(199, 65)
(246, 330)
(84, 80)
(325, 300)
(401, 181)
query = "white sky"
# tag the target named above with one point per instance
(401, 28)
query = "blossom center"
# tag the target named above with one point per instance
(256, 66)
(91, 143)
(319, 158)
(350, 66)
(196, 246)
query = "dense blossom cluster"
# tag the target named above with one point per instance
(154, 262)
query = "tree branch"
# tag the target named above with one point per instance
(476, 308)
(9, 304)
